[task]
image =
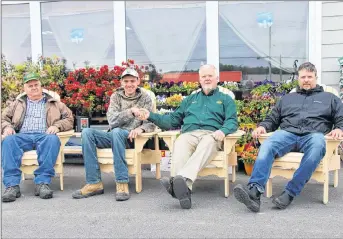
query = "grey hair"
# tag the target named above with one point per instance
(308, 66)
(209, 66)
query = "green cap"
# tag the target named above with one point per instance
(31, 76)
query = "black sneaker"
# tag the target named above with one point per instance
(250, 196)
(11, 194)
(168, 185)
(43, 191)
(283, 200)
(182, 192)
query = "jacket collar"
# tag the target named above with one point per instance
(212, 92)
(318, 88)
(49, 98)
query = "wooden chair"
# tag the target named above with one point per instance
(219, 165)
(233, 153)
(29, 161)
(289, 163)
(224, 159)
(137, 156)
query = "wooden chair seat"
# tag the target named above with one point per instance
(220, 164)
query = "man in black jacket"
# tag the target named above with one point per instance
(304, 118)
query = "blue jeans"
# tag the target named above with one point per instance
(116, 139)
(281, 143)
(13, 148)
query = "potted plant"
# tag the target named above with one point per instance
(174, 101)
(248, 156)
(240, 144)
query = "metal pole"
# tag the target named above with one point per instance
(270, 49)
(280, 71)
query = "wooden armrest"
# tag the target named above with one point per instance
(68, 133)
(148, 135)
(327, 138)
(169, 133)
(143, 135)
(330, 139)
(264, 136)
(235, 135)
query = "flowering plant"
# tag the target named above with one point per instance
(230, 85)
(190, 86)
(249, 155)
(161, 100)
(174, 101)
(50, 69)
(88, 90)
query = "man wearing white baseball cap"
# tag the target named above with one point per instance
(124, 106)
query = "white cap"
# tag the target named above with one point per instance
(130, 72)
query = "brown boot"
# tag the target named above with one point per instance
(89, 190)
(122, 193)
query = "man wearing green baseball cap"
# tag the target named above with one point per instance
(31, 122)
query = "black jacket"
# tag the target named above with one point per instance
(306, 112)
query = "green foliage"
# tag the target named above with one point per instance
(50, 70)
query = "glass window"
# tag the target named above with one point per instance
(81, 32)
(250, 32)
(170, 36)
(16, 34)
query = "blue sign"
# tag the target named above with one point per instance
(77, 35)
(265, 19)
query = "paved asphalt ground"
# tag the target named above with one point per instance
(154, 214)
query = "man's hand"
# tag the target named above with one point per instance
(8, 131)
(258, 131)
(144, 114)
(219, 135)
(135, 111)
(134, 133)
(336, 134)
(52, 130)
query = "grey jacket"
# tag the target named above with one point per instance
(119, 114)
(303, 112)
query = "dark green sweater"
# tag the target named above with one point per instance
(199, 111)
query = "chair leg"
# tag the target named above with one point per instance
(269, 188)
(158, 171)
(326, 192)
(61, 181)
(226, 186)
(139, 178)
(138, 183)
(233, 179)
(335, 181)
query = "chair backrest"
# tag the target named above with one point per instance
(326, 89)
(221, 89)
(51, 93)
(153, 98)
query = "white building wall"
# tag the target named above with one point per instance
(332, 41)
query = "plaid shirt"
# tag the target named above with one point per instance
(35, 117)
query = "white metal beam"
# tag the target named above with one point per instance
(36, 30)
(119, 13)
(315, 36)
(212, 33)
(13, 2)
